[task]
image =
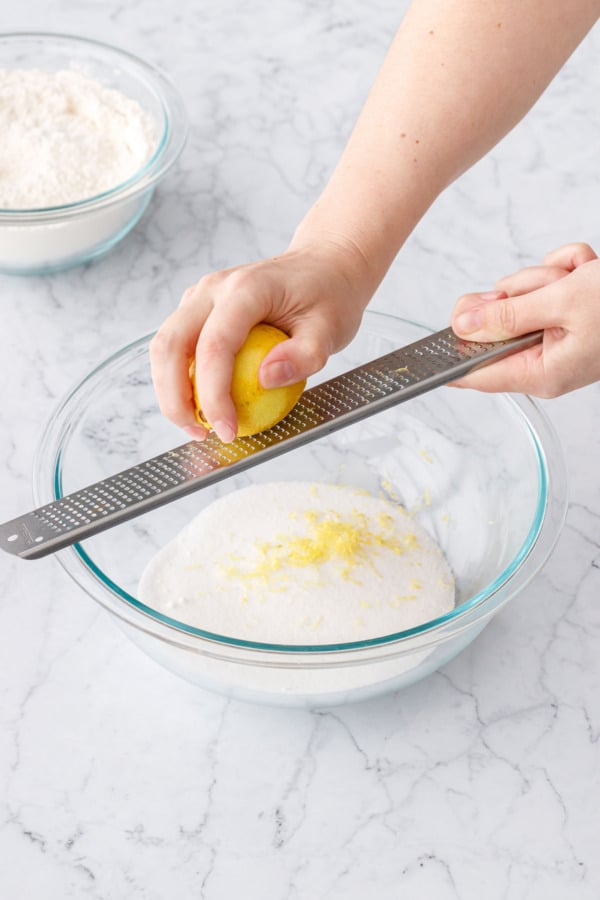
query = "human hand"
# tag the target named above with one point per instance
(562, 297)
(315, 294)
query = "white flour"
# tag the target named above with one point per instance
(300, 563)
(65, 137)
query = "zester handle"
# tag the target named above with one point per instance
(426, 364)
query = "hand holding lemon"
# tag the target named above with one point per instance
(257, 408)
(312, 297)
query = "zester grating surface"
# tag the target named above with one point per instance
(348, 398)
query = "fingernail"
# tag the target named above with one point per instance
(224, 431)
(468, 322)
(196, 432)
(278, 374)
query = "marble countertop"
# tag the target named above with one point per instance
(117, 780)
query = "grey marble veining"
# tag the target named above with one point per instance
(118, 780)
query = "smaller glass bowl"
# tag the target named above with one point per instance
(482, 473)
(38, 241)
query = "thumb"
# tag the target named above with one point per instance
(502, 317)
(294, 360)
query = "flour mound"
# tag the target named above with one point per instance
(300, 563)
(66, 138)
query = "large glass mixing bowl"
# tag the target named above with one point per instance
(482, 473)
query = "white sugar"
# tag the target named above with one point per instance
(300, 563)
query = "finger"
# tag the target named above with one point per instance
(570, 256)
(225, 331)
(520, 373)
(472, 301)
(302, 355)
(530, 279)
(505, 318)
(170, 352)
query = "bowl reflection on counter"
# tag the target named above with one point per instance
(482, 473)
(45, 240)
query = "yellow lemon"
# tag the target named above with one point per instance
(257, 408)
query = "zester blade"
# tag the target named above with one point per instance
(380, 384)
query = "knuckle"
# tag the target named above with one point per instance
(164, 344)
(189, 294)
(507, 318)
(220, 288)
(209, 281)
(204, 289)
(580, 248)
(214, 344)
(570, 256)
(240, 281)
(315, 357)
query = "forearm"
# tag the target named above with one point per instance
(458, 76)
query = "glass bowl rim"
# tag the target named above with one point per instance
(170, 143)
(539, 536)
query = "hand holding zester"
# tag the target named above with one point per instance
(560, 297)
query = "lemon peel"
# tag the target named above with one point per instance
(257, 408)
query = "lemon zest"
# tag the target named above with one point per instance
(345, 541)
